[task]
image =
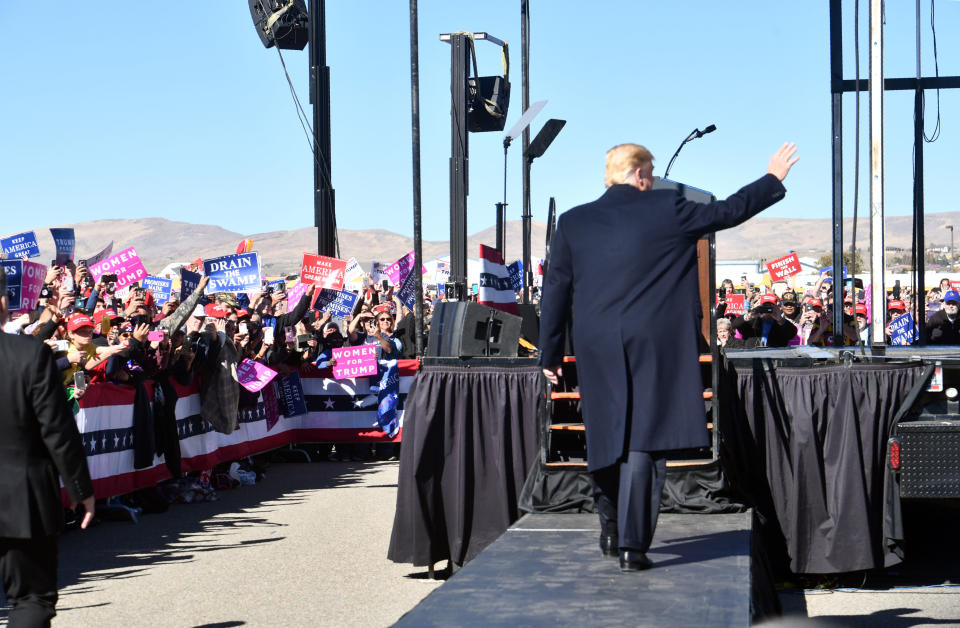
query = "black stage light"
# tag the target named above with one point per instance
(281, 23)
(544, 138)
(487, 100)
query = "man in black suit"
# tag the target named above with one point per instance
(627, 263)
(39, 440)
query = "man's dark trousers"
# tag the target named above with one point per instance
(627, 495)
(28, 572)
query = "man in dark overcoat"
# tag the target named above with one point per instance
(39, 441)
(627, 263)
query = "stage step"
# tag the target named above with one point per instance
(579, 427)
(546, 570)
(707, 394)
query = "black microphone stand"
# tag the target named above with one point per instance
(696, 133)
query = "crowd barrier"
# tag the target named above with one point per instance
(336, 411)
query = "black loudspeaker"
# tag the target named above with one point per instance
(488, 98)
(281, 23)
(468, 329)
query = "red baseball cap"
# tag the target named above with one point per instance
(862, 308)
(769, 298)
(848, 301)
(242, 313)
(215, 310)
(77, 321)
(815, 303)
(110, 314)
(896, 304)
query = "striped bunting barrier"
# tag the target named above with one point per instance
(337, 411)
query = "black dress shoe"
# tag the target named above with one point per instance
(634, 560)
(609, 544)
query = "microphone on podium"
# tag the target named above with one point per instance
(696, 133)
(709, 129)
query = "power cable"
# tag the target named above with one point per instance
(936, 68)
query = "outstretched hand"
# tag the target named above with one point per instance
(782, 160)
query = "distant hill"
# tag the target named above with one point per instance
(160, 242)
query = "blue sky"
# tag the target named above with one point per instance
(140, 111)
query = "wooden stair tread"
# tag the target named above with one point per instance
(575, 427)
(689, 463)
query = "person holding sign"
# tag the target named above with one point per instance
(640, 386)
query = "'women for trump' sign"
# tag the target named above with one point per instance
(126, 265)
(358, 361)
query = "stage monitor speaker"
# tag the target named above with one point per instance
(488, 98)
(281, 23)
(467, 329)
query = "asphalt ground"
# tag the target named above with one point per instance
(305, 546)
(924, 590)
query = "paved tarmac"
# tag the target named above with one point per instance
(924, 590)
(306, 546)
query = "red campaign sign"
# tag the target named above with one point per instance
(736, 303)
(954, 285)
(786, 266)
(324, 272)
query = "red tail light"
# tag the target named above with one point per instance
(893, 453)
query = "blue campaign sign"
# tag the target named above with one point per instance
(516, 274)
(188, 283)
(14, 270)
(829, 269)
(161, 288)
(902, 330)
(233, 273)
(337, 302)
(408, 291)
(66, 241)
(290, 398)
(22, 245)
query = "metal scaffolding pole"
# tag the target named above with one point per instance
(878, 307)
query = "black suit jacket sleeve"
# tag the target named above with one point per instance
(58, 429)
(698, 219)
(557, 298)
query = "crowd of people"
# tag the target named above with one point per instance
(793, 318)
(97, 336)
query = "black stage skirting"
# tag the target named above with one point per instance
(807, 447)
(469, 439)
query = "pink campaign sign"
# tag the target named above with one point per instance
(295, 294)
(399, 270)
(253, 376)
(126, 265)
(31, 285)
(356, 361)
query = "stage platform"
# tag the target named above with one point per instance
(547, 570)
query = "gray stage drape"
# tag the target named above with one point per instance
(808, 448)
(469, 438)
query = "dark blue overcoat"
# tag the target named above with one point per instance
(627, 262)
